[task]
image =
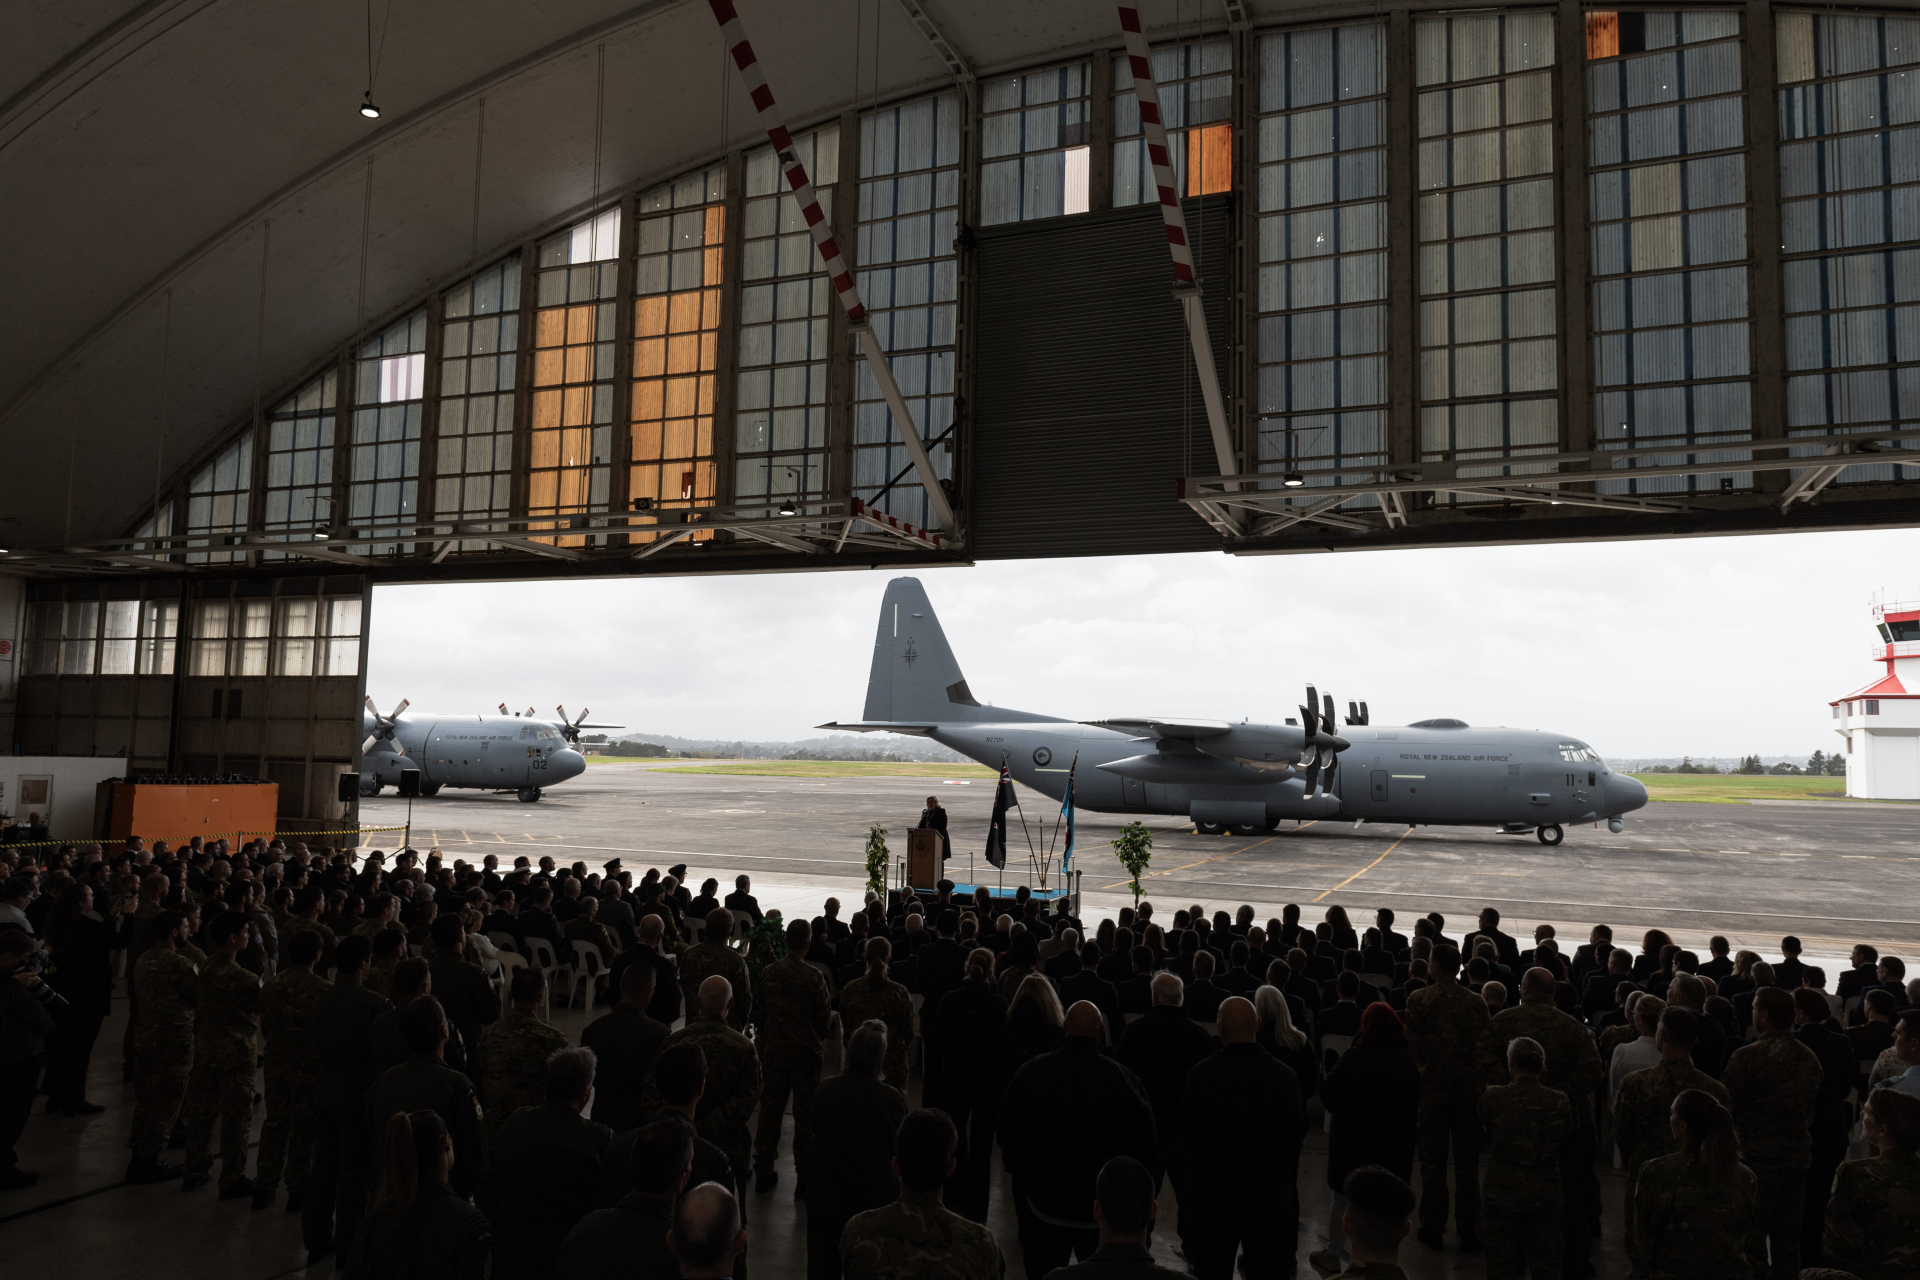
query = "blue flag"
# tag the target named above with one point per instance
(1066, 813)
(1003, 798)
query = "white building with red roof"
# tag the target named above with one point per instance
(1881, 720)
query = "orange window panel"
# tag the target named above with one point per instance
(649, 401)
(683, 353)
(650, 316)
(1209, 160)
(709, 351)
(649, 357)
(550, 328)
(548, 367)
(579, 406)
(542, 486)
(546, 410)
(579, 364)
(677, 441)
(682, 394)
(710, 309)
(646, 442)
(1603, 35)
(684, 312)
(580, 323)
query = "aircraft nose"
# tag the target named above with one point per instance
(1625, 794)
(568, 763)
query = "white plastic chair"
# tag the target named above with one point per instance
(742, 922)
(502, 940)
(590, 970)
(510, 963)
(696, 931)
(558, 975)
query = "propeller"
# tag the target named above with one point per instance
(1317, 720)
(504, 711)
(570, 728)
(383, 726)
(1357, 713)
(529, 713)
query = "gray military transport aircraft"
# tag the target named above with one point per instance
(507, 752)
(1243, 778)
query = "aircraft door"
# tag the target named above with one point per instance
(1133, 794)
(1379, 779)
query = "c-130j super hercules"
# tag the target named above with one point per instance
(1243, 778)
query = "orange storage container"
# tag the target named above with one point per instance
(163, 811)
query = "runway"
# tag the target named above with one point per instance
(1832, 873)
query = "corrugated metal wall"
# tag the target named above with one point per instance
(1086, 408)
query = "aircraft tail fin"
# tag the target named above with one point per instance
(915, 677)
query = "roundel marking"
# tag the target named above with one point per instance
(1042, 756)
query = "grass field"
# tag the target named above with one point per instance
(815, 768)
(1738, 788)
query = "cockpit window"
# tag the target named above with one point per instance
(1578, 752)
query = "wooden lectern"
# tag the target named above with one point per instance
(923, 859)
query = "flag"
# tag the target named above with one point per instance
(1003, 798)
(1066, 814)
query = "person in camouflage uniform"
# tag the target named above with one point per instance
(306, 919)
(1642, 1111)
(226, 1035)
(703, 960)
(162, 1046)
(514, 1052)
(389, 949)
(139, 938)
(795, 1010)
(733, 1072)
(1695, 1207)
(1526, 1126)
(874, 995)
(1573, 1067)
(1773, 1082)
(286, 1017)
(1446, 1021)
(1873, 1219)
(917, 1236)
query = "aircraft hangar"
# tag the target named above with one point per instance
(308, 303)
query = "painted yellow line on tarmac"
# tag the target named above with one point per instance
(1216, 857)
(1370, 866)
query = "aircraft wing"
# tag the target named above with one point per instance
(918, 729)
(599, 726)
(1187, 730)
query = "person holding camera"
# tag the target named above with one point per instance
(26, 1020)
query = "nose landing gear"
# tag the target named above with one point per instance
(1551, 834)
(529, 794)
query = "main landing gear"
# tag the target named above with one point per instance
(529, 794)
(1551, 834)
(1229, 828)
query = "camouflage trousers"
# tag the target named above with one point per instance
(162, 1067)
(286, 1136)
(1521, 1240)
(1444, 1124)
(221, 1091)
(780, 1079)
(1777, 1213)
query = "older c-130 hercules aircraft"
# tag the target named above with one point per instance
(507, 752)
(1243, 778)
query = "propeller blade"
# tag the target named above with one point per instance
(1312, 778)
(371, 707)
(563, 714)
(504, 711)
(1353, 713)
(1365, 716)
(584, 713)
(1332, 721)
(529, 713)
(368, 745)
(404, 704)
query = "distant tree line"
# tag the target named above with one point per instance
(1819, 764)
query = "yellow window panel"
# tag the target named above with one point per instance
(579, 406)
(573, 488)
(541, 488)
(682, 394)
(650, 316)
(684, 316)
(648, 401)
(715, 229)
(649, 357)
(546, 410)
(710, 267)
(580, 323)
(709, 351)
(579, 364)
(546, 449)
(678, 439)
(550, 328)
(710, 309)
(683, 353)
(1209, 160)
(644, 482)
(646, 442)
(703, 440)
(703, 480)
(548, 367)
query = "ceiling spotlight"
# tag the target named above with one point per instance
(367, 108)
(788, 507)
(1293, 480)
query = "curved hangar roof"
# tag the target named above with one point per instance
(186, 182)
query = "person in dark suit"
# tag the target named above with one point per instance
(463, 991)
(1116, 959)
(1860, 976)
(1067, 943)
(1238, 980)
(1789, 971)
(1541, 933)
(1719, 964)
(1392, 943)
(1124, 1206)
(1136, 993)
(828, 925)
(1592, 955)
(940, 965)
(1078, 981)
(625, 1041)
(742, 899)
(1342, 1017)
(629, 1237)
(546, 1170)
(1505, 947)
(705, 903)
(664, 1008)
(536, 920)
(1373, 1095)
(1161, 1049)
(1599, 994)
(934, 818)
(966, 1058)
(1712, 1049)
(1290, 933)
(503, 918)
(1203, 996)
(336, 1194)
(1243, 1120)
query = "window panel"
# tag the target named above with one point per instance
(479, 345)
(1323, 262)
(1195, 83)
(909, 215)
(159, 624)
(300, 440)
(1034, 131)
(1662, 86)
(383, 458)
(1486, 270)
(45, 621)
(218, 503)
(676, 344)
(572, 427)
(780, 421)
(1850, 218)
(119, 627)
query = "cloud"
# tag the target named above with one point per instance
(1706, 646)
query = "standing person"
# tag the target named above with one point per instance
(424, 1080)
(795, 1011)
(152, 892)
(1124, 1206)
(969, 1026)
(287, 1005)
(226, 1038)
(625, 1042)
(343, 1152)
(1065, 1114)
(420, 1228)
(713, 957)
(1161, 1048)
(856, 1115)
(546, 1163)
(82, 944)
(1244, 1120)
(25, 1025)
(1871, 1229)
(1774, 1082)
(1815, 1027)
(1373, 1094)
(629, 1237)
(934, 818)
(163, 1045)
(1444, 1023)
(1376, 1207)
(708, 1235)
(1643, 1111)
(514, 1052)
(874, 995)
(472, 1003)
(732, 1088)
(1695, 1208)
(1527, 1125)
(916, 1237)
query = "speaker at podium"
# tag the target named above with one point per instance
(923, 859)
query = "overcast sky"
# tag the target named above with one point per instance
(1709, 646)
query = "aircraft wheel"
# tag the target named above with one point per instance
(430, 789)
(1244, 829)
(1551, 834)
(369, 789)
(529, 794)
(1209, 828)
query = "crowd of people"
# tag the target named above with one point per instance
(426, 1117)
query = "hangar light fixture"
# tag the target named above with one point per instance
(1293, 480)
(367, 108)
(788, 507)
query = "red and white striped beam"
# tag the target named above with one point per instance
(861, 511)
(734, 35)
(1186, 286)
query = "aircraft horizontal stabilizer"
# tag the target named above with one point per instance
(918, 730)
(1187, 729)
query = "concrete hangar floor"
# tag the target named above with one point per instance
(1834, 873)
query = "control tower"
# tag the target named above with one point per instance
(1881, 721)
